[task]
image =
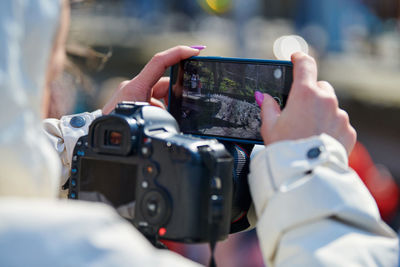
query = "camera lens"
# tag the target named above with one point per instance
(114, 138)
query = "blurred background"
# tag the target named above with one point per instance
(356, 44)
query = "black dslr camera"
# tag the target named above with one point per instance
(169, 185)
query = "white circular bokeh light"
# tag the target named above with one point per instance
(286, 45)
(277, 73)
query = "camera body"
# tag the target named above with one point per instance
(178, 187)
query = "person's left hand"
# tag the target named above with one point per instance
(149, 85)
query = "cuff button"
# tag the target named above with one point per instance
(77, 121)
(314, 152)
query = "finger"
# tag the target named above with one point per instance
(157, 103)
(304, 70)
(329, 92)
(327, 87)
(270, 112)
(166, 100)
(123, 84)
(155, 69)
(352, 140)
(259, 98)
(160, 89)
(346, 134)
(348, 138)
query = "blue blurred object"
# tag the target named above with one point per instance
(332, 17)
(145, 9)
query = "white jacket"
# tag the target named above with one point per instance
(322, 217)
(313, 210)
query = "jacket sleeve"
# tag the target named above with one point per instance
(43, 232)
(313, 210)
(64, 133)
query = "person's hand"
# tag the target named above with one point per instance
(311, 109)
(149, 85)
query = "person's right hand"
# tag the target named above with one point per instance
(149, 85)
(312, 109)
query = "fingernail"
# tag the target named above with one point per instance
(198, 47)
(259, 97)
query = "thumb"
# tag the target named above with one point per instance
(270, 112)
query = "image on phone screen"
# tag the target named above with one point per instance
(217, 98)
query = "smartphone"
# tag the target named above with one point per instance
(214, 96)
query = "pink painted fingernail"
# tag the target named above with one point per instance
(198, 47)
(259, 97)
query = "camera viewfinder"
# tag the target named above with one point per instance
(113, 138)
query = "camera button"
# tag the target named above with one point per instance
(150, 170)
(216, 209)
(145, 184)
(143, 224)
(152, 207)
(155, 207)
(72, 195)
(146, 149)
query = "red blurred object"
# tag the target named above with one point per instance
(162, 231)
(179, 248)
(378, 180)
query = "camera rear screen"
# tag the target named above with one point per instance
(107, 181)
(217, 98)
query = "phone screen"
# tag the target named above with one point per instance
(215, 97)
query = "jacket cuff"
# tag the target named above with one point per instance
(75, 126)
(282, 163)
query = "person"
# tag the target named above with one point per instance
(198, 84)
(193, 82)
(311, 209)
